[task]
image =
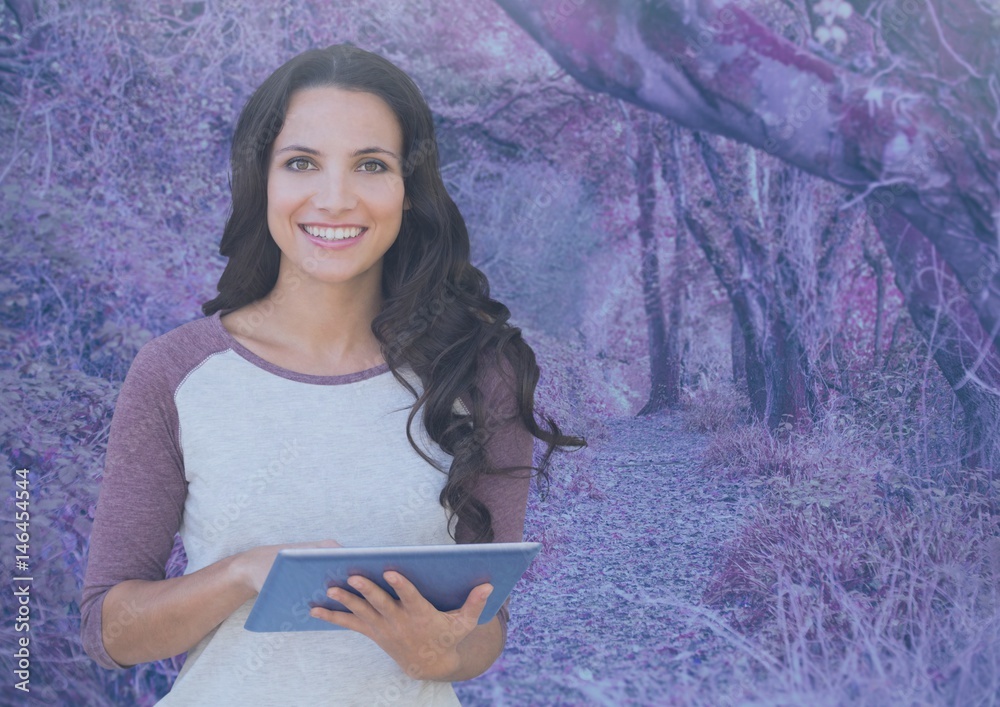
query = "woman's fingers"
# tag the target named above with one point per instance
(341, 618)
(474, 604)
(413, 601)
(409, 595)
(414, 633)
(378, 615)
(373, 597)
(373, 604)
(360, 611)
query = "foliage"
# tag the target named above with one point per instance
(716, 407)
(856, 577)
(868, 566)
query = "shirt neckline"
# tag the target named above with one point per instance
(248, 355)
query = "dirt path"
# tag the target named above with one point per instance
(598, 624)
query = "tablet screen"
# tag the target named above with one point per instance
(443, 574)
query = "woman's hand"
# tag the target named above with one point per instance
(253, 565)
(421, 639)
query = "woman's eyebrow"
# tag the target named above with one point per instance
(298, 148)
(357, 153)
(375, 148)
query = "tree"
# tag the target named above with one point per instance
(761, 280)
(904, 118)
(664, 383)
(961, 348)
(668, 147)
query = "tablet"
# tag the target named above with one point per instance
(443, 574)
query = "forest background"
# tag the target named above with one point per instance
(774, 223)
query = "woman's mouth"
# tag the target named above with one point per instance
(333, 234)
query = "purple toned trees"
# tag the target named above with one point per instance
(942, 313)
(665, 384)
(669, 150)
(898, 101)
(742, 238)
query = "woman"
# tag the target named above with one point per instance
(273, 421)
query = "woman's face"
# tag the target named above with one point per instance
(335, 195)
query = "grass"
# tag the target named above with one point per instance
(857, 577)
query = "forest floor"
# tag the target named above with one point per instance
(630, 541)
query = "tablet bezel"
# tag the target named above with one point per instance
(285, 598)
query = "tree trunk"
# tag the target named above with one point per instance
(670, 160)
(675, 319)
(772, 346)
(738, 347)
(663, 377)
(964, 352)
(748, 314)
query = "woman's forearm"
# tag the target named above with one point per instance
(143, 621)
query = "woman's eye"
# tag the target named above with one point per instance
(299, 164)
(373, 167)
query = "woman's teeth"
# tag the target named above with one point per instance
(333, 234)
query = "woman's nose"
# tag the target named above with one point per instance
(334, 193)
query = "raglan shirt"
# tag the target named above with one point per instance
(211, 441)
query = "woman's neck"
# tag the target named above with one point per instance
(313, 327)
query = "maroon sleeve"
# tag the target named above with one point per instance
(142, 494)
(508, 444)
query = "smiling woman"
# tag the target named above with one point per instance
(273, 421)
(327, 190)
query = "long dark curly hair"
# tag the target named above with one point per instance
(437, 314)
